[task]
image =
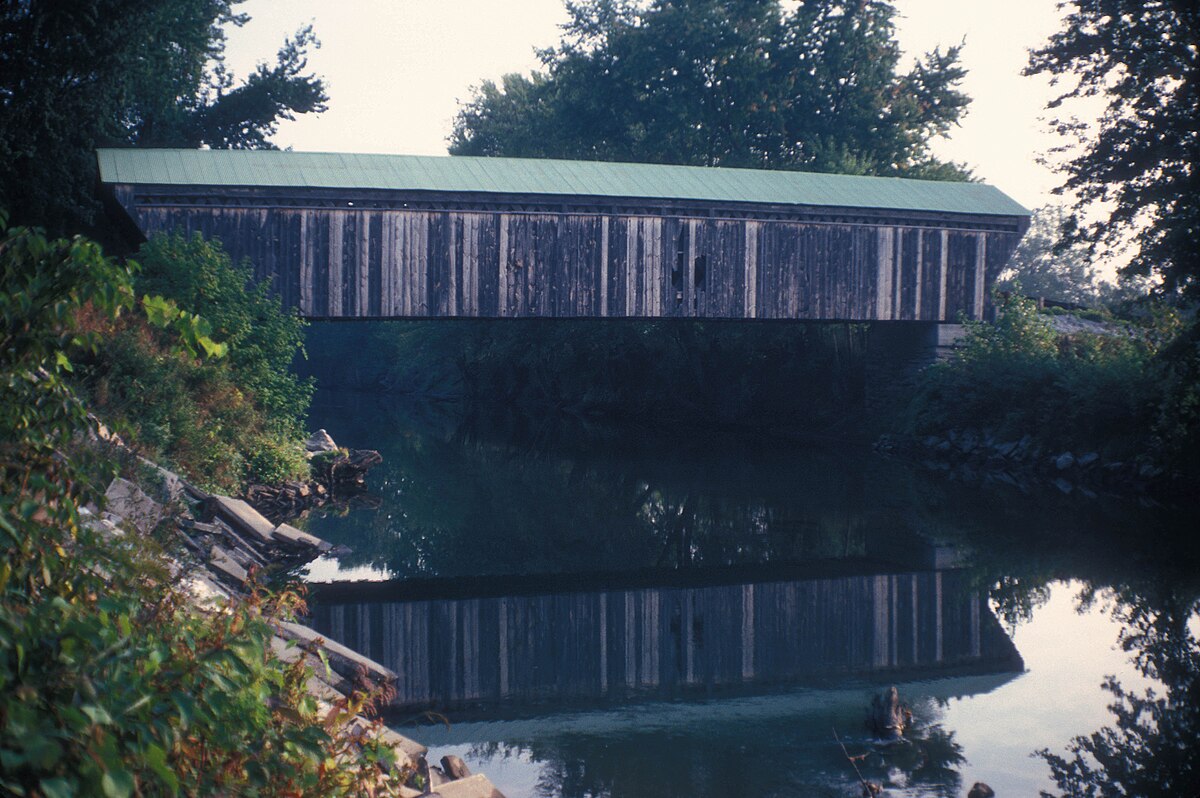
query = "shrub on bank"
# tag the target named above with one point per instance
(222, 422)
(262, 337)
(110, 684)
(1110, 393)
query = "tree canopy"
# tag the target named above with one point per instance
(79, 75)
(1042, 269)
(745, 83)
(1143, 56)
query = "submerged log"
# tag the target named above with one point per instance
(341, 472)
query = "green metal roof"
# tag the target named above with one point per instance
(284, 169)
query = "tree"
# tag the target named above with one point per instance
(741, 83)
(80, 75)
(1042, 270)
(1143, 56)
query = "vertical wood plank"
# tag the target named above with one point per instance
(980, 263)
(920, 279)
(883, 279)
(603, 265)
(633, 235)
(898, 278)
(306, 288)
(502, 308)
(690, 298)
(943, 269)
(336, 263)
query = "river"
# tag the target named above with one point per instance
(621, 611)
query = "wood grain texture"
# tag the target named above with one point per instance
(412, 263)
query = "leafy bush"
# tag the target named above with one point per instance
(1018, 376)
(223, 422)
(110, 684)
(263, 339)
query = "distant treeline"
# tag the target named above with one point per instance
(790, 376)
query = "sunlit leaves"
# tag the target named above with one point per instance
(193, 330)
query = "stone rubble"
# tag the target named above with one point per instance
(980, 456)
(338, 475)
(230, 541)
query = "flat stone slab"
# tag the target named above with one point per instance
(286, 533)
(244, 518)
(128, 501)
(223, 562)
(343, 660)
(477, 786)
(204, 590)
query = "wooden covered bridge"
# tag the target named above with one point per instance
(392, 236)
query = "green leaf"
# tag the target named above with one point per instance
(159, 311)
(156, 758)
(117, 783)
(98, 715)
(57, 788)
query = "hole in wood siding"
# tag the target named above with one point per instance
(677, 268)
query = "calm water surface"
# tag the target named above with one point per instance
(619, 611)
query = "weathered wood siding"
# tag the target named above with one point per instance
(395, 262)
(660, 641)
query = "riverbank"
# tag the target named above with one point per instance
(974, 455)
(1034, 399)
(227, 551)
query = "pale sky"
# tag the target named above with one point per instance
(396, 70)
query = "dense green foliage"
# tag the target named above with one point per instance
(1139, 168)
(263, 339)
(79, 75)
(1123, 394)
(817, 87)
(109, 683)
(222, 422)
(669, 372)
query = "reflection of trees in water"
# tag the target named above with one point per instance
(1147, 565)
(535, 499)
(698, 761)
(1153, 748)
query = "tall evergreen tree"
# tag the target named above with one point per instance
(742, 83)
(78, 75)
(1143, 57)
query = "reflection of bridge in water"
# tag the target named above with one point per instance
(655, 641)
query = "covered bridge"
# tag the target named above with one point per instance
(396, 236)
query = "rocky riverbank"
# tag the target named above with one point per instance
(225, 547)
(979, 455)
(338, 476)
